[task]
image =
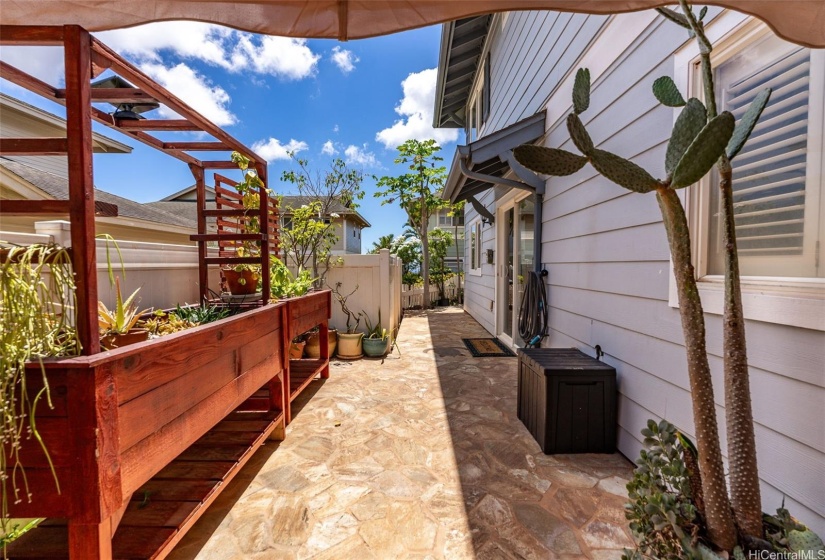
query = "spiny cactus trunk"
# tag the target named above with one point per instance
(717, 506)
(744, 476)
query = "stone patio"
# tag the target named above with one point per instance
(417, 456)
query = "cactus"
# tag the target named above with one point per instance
(549, 161)
(689, 124)
(675, 17)
(743, 130)
(579, 134)
(581, 91)
(667, 93)
(623, 172)
(805, 541)
(705, 150)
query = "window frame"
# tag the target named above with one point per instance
(797, 302)
(474, 252)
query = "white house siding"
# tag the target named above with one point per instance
(608, 262)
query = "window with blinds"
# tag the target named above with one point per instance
(777, 214)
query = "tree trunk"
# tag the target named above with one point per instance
(425, 254)
(745, 494)
(717, 505)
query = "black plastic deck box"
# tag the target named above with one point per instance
(567, 400)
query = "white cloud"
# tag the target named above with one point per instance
(272, 149)
(44, 63)
(232, 50)
(344, 59)
(416, 110)
(328, 148)
(335, 128)
(360, 156)
(198, 92)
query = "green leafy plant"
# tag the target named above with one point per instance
(284, 284)
(375, 331)
(162, 323)
(37, 306)
(342, 301)
(123, 317)
(201, 314)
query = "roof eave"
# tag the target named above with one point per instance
(441, 79)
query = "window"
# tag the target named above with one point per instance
(778, 177)
(776, 185)
(475, 247)
(479, 102)
(485, 90)
(286, 222)
(445, 220)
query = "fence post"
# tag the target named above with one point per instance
(385, 289)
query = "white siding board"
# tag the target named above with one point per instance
(642, 243)
(639, 279)
(625, 211)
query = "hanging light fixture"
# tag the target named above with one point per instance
(125, 110)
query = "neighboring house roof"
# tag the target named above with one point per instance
(57, 187)
(100, 143)
(291, 201)
(462, 43)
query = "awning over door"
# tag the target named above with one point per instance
(483, 164)
(800, 21)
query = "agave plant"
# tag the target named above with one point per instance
(123, 317)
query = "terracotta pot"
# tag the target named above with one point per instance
(349, 346)
(313, 346)
(118, 340)
(296, 350)
(375, 347)
(241, 283)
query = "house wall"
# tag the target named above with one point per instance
(608, 260)
(18, 125)
(353, 240)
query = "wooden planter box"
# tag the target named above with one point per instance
(165, 423)
(305, 313)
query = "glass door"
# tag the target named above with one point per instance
(517, 248)
(509, 259)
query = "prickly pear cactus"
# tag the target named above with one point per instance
(689, 124)
(623, 172)
(667, 93)
(745, 126)
(581, 91)
(549, 161)
(805, 541)
(704, 151)
(579, 134)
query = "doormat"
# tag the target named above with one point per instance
(487, 348)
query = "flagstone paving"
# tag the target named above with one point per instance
(419, 456)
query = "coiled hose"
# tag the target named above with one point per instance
(532, 315)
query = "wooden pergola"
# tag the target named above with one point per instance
(85, 58)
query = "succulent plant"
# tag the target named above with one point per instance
(549, 161)
(579, 134)
(667, 93)
(705, 150)
(623, 172)
(689, 124)
(805, 541)
(745, 126)
(581, 91)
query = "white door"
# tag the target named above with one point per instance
(515, 254)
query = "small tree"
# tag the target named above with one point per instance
(314, 227)
(440, 242)
(384, 242)
(417, 192)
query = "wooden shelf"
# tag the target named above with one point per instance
(301, 372)
(167, 506)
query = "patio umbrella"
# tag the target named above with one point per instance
(800, 21)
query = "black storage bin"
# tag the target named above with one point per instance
(567, 400)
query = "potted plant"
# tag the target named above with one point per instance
(349, 343)
(296, 349)
(117, 326)
(284, 284)
(313, 345)
(242, 279)
(377, 338)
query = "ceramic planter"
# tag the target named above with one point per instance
(313, 346)
(375, 347)
(241, 283)
(296, 350)
(349, 346)
(119, 340)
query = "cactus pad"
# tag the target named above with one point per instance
(581, 91)
(745, 126)
(689, 124)
(549, 161)
(674, 16)
(623, 172)
(805, 541)
(579, 134)
(704, 151)
(667, 93)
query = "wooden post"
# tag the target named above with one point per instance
(203, 270)
(264, 226)
(78, 63)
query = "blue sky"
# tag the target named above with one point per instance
(355, 100)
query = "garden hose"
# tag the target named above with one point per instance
(532, 315)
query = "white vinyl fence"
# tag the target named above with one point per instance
(413, 295)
